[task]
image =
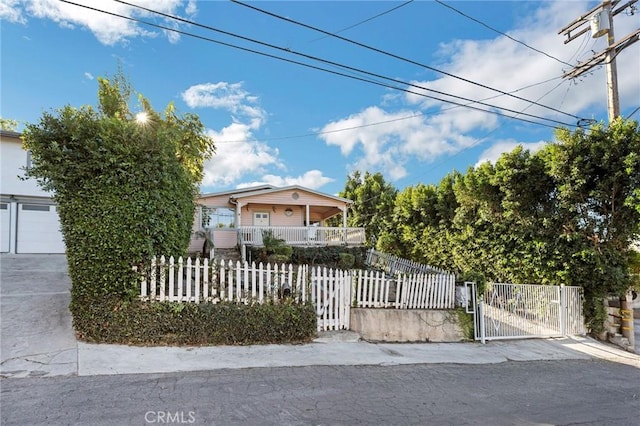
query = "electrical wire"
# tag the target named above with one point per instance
(394, 56)
(377, 123)
(633, 112)
(500, 32)
(288, 50)
(366, 20)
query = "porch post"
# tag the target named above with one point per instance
(238, 223)
(344, 223)
(344, 216)
(238, 213)
(306, 232)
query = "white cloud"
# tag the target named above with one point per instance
(232, 161)
(10, 11)
(108, 29)
(313, 179)
(228, 96)
(403, 135)
(237, 155)
(496, 150)
(88, 76)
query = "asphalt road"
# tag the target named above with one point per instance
(565, 392)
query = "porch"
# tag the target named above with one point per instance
(303, 235)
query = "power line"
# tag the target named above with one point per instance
(331, 63)
(366, 20)
(500, 32)
(633, 112)
(358, 70)
(377, 123)
(480, 141)
(395, 56)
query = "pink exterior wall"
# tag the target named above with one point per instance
(219, 201)
(277, 218)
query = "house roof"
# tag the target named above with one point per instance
(268, 189)
(232, 192)
(10, 134)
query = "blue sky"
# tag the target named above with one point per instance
(280, 123)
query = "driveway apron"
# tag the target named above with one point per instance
(37, 336)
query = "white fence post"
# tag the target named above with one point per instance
(154, 272)
(563, 310)
(188, 283)
(172, 279)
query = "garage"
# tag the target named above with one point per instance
(5, 228)
(38, 229)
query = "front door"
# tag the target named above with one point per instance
(260, 218)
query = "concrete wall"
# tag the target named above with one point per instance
(406, 325)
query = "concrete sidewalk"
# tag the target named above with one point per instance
(337, 348)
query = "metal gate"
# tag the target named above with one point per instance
(515, 311)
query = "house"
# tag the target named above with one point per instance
(296, 214)
(28, 217)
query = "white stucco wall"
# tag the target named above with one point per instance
(13, 160)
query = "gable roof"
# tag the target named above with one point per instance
(232, 192)
(268, 189)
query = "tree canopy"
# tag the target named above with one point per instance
(566, 214)
(373, 199)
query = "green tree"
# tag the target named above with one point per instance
(373, 200)
(597, 173)
(8, 124)
(125, 186)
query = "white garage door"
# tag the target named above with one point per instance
(38, 229)
(5, 226)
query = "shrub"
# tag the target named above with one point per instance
(171, 323)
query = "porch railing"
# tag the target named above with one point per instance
(303, 235)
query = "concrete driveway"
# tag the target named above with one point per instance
(37, 338)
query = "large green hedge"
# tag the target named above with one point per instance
(566, 214)
(125, 185)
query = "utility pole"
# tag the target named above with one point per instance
(600, 20)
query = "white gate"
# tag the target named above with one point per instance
(331, 296)
(512, 311)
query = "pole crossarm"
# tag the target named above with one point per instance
(584, 19)
(600, 57)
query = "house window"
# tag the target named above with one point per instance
(35, 207)
(29, 163)
(218, 217)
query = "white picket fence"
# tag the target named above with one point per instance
(405, 291)
(393, 264)
(331, 291)
(203, 281)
